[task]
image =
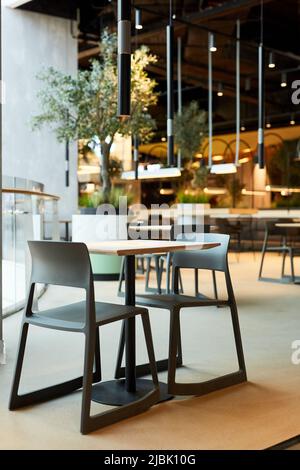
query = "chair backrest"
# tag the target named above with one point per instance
(214, 259)
(61, 263)
(272, 229)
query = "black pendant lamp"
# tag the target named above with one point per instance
(211, 49)
(261, 95)
(170, 88)
(238, 94)
(124, 57)
(179, 91)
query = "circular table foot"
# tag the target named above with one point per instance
(113, 392)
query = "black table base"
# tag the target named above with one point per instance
(114, 393)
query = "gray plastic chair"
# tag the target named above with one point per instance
(271, 230)
(214, 259)
(68, 264)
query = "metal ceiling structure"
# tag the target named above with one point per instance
(192, 20)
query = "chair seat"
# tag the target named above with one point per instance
(71, 317)
(171, 301)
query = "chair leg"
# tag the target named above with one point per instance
(150, 348)
(92, 423)
(120, 371)
(173, 345)
(90, 343)
(202, 388)
(238, 339)
(196, 283)
(215, 284)
(144, 369)
(292, 265)
(121, 277)
(14, 398)
(157, 271)
(168, 273)
(148, 267)
(97, 374)
(180, 282)
(47, 393)
(283, 264)
(161, 270)
(263, 253)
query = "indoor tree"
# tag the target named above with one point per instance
(190, 130)
(85, 106)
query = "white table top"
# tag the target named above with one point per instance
(142, 247)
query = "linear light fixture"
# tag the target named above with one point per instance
(244, 160)
(253, 192)
(223, 169)
(218, 158)
(284, 190)
(216, 191)
(161, 173)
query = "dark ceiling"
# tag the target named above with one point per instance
(193, 20)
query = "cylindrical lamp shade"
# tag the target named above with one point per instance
(170, 94)
(261, 107)
(124, 57)
(210, 103)
(138, 19)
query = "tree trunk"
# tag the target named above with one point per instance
(105, 176)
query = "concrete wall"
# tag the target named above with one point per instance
(32, 41)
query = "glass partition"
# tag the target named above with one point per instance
(28, 214)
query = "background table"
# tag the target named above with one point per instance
(124, 391)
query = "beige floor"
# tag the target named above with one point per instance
(255, 415)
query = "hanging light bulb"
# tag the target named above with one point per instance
(268, 125)
(220, 91)
(138, 19)
(212, 43)
(271, 63)
(283, 83)
(292, 121)
(243, 128)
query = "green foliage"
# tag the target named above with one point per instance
(190, 129)
(287, 202)
(98, 198)
(185, 197)
(234, 190)
(201, 177)
(282, 167)
(85, 106)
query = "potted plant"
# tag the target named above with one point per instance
(85, 106)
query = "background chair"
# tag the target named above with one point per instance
(275, 241)
(214, 259)
(68, 264)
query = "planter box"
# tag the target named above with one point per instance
(92, 228)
